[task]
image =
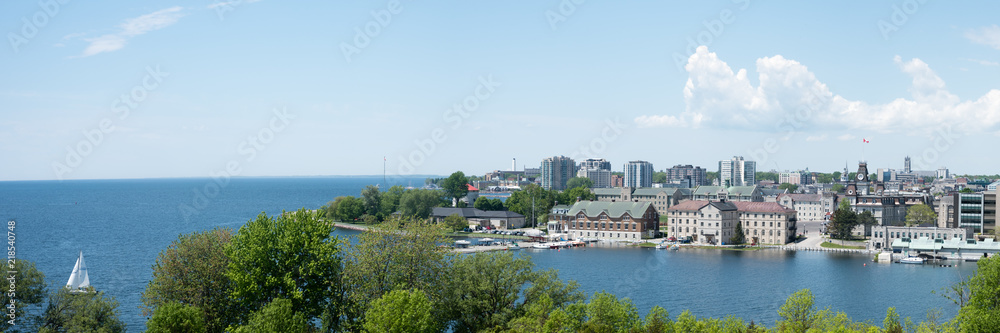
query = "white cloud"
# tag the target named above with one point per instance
(989, 36)
(130, 28)
(984, 62)
(230, 3)
(846, 137)
(790, 98)
(816, 138)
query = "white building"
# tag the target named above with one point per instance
(638, 174)
(737, 172)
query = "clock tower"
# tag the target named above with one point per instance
(862, 176)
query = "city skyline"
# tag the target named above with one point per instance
(261, 88)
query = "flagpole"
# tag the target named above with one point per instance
(383, 171)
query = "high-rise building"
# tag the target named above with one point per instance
(597, 170)
(737, 172)
(679, 173)
(638, 174)
(906, 165)
(556, 171)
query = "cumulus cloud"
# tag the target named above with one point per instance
(790, 97)
(130, 28)
(989, 36)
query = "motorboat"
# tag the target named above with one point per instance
(544, 246)
(912, 260)
(662, 246)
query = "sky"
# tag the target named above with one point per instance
(266, 88)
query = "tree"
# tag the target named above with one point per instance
(80, 312)
(456, 185)
(401, 311)
(192, 271)
(579, 182)
(349, 208)
(277, 316)
(842, 222)
(455, 222)
(658, 321)
(837, 188)
(966, 190)
(568, 197)
(659, 177)
(798, 313)
(891, 322)
(738, 236)
(787, 186)
(982, 312)
(29, 292)
(521, 202)
(836, 175)
(291, 256)
(176, 317)
(762, 175)
(483, 203)
(390, 201)
(607, 313)
(920, 215)
(866, 218)
(418, 203)
(401, 253)
(372, 199)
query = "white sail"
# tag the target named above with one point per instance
(79, 279)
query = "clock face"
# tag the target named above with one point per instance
(861, 176)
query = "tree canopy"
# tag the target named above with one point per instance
(788, 186)
(579, 182)
(419, 202)
(484, 203)
(456, 185)
(920, 214)
(30, 292)
(738, 236)
(842, 222)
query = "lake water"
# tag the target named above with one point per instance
(121, 225)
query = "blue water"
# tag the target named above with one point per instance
(121, 225)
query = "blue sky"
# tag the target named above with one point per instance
(267, 88)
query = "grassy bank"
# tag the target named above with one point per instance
(838, 246)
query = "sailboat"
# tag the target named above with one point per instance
(79, 280)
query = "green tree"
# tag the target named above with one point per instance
(371, 197)
(278, 316)
(419, 203)
(80, 312)
(982, 312)
(349, 208)
(291, 256)
(455, 222)
(920, 215)
(966, 190)
(659, 177)
(568, 197)
(456, 185)
(837, 188)
(658, 321)
(176, 318)
(711, 176)
(798, 312)
(763, 175)
(483, 203)
(607, 313)
(891, 322)
(402, 253)
(390, 201)
(866, 218)
(790, 187)
(836, 175)
(579, 182)
(738, 236)
(521, 202)
(401, 311)
(842, 222)
(29, 290)
(192, 271)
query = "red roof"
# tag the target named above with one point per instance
(689, 205)
(761, 207)
(472, 188)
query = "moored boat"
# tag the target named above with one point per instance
(912, 260)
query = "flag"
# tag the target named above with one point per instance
(865, 140)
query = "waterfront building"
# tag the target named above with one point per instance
(884, 236)
(954, 249)
(597, 170)
(992, 186)
(556, 171)
(809, 207)
(767, 222)
(662, 198)
(638, 174)
(977, 211)
(611, 220)
(500, 219)
(888, 208)
(696, 176)
(732, 193)
(702, 222)
(737, 172)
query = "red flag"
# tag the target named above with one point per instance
(865, 140)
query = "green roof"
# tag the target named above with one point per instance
(613, 209)
(647, 191)
(608, 191)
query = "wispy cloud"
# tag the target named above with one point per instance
(984, 62)
(230, 3)
(846, 137)
(130, 28)
(988, 35)
(716, 96)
